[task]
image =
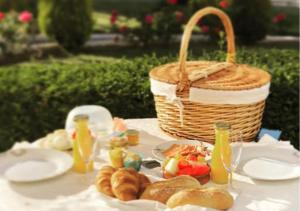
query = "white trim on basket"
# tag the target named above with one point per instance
(164, 89)
(209, 96)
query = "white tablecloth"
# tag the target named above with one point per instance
(71, 192)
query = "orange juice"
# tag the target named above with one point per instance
(82, 145)
(116, 157)
(219, 174)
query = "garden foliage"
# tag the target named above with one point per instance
(69, 22)
(37, 96)
(18, 5)
(16, 31)
(251, 19)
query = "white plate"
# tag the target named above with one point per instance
(265, 162)
(270, 169)
(158, 149)
(30, 165)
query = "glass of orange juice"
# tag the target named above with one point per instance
(116, 157)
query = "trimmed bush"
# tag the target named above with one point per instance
(251, 19)
(37, 96)
(69, 22)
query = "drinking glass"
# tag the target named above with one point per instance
(234, 153)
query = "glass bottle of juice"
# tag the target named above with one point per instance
(82, 145)
(219, 174)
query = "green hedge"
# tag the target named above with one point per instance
(36, 96)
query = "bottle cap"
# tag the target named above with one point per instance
(81, 117)
(222, 125)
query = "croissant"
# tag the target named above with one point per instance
(125, 184)
(144, 182)
(103, 183)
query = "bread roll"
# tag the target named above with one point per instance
(144, 182)
(163, 190)
(215, 198)
(125, 184)
(103, 183)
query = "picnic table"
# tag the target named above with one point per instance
(71, 192)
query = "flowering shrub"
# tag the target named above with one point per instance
(14, 31)
(279, 18)
(169, 18)
(159, 25)
(280, 23)
(25, 17)
(156, 26)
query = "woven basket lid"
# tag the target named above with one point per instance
(235, 77)
(209, 74)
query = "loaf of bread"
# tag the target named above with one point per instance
(163, 190)
(125, 184)
(103, 183)
(144, 182)
(215, 198)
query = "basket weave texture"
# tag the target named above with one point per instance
(199, 118)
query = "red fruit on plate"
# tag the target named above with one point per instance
(183, 164)
(196, 170)
(185, 171)
(200, 170)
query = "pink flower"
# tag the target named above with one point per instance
(25, 16)
(224, 4)
(172, 2)
(113, 17)
(217, 30)
(179, 16)
(204, 28)
(113, 20)
(2, 16)
(123, 29)
(279, 18)
(114, 13)
(149, 19)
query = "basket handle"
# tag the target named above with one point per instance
(183, 77)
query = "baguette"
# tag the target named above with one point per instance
(215, 198)
(163, 190)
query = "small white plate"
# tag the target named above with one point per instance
(158, 150)
(265, 168)
(30, 165)
(265, 162)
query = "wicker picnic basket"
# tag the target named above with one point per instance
(190, 96)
